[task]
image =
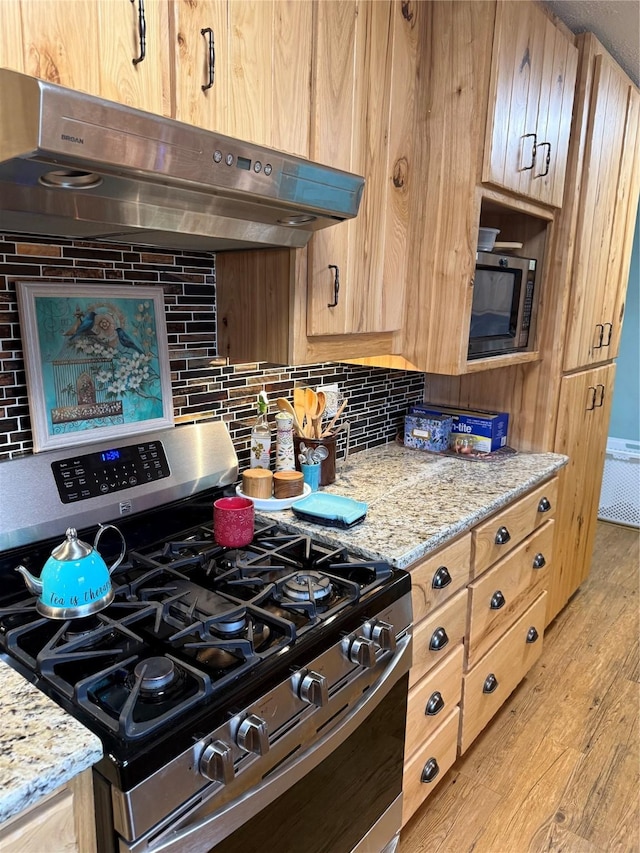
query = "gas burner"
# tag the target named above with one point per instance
(307, 586)
(155, 674)
(81, 628)
(232, 625)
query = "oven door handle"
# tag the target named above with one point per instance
(199, 834)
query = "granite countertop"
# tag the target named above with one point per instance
(418, 501)
(41, 746)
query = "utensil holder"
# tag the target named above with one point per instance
(329, 465)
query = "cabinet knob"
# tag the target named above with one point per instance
(429, 771)
(502, 536)
(497, 600)
(490, 683)
(439, 640)
(434, 705)
(544, 505)
(532, 634)
(441, 578)
(539, 561)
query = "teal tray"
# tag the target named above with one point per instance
(331, 510)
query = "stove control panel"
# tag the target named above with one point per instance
(94, 474)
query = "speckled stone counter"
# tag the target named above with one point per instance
(41, 746)
(418, 501)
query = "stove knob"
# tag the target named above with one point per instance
(363, 651)
(383, 634)
(216, 762)
(314, 690)
(253, 735)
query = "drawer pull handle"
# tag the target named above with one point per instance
(532, 635)
(434, 705)
(539, 561)
(497, 600)
(502, 536)
(429, 771)
(441, 578)
(438, 640)
(490, 683)
(544, 505)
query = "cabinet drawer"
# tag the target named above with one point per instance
(436, 578)
(428, 766)
(498, 535)
(495, 676)
(500, 595)
(432, 699)
(437, 635)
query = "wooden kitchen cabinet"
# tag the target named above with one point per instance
(62, 822)
(585, 400)
(91, 47)
(608, 185)
(533, 75)
(262, 68)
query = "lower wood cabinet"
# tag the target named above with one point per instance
(479, 606)
(62, 822)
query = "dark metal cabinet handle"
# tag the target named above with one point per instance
(592, 402)
(441, 578)
(435, 704)
(490, 683)
(336, 285)
(142, 32)
(502, 536)
(429, 771)
(534, 151)
(212, 58)
(601, 400)
(544, 505)
(539, 561)
(609, 327)
(497, 600)
(547, 159)
(532, 635)
(600, 335)
(439, 640)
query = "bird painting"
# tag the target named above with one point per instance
(127, 341)
(86, 326)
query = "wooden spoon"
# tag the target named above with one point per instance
(298, 405)
(285, 406)
(327, 430)
(317, 418)
(310, 406)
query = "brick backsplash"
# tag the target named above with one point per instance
(203, 385)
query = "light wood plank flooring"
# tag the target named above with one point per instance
(558, 768)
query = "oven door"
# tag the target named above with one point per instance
(342, 794)
(495, 310)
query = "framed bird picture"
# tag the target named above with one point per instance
(96, 359)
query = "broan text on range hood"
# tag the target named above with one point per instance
(73, 165)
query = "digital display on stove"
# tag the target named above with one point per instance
(110, 455)
(244, 163)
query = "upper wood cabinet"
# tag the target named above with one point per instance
(608, 185)
(91, 47)
(533, 75)
(257, 58)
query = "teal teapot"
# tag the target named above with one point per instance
(75, 581)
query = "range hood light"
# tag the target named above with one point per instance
(297, 220)
(70, 179)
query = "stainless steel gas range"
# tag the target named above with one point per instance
(244, 699)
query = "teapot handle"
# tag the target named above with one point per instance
(102, 528)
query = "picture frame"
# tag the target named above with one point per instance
(96, 360)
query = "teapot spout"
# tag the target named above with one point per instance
(34, 585)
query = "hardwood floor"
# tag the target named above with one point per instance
(558, 768)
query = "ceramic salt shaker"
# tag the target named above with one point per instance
(285, 456)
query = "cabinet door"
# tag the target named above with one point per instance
(144, 84)
(353, 44)
(11, 55)
(606, 216)
(584, 406)
(533, 78)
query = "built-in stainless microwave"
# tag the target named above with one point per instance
(503, 303)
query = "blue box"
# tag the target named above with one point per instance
(483, 431)
(427, 432)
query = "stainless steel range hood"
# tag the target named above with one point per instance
(73, 165)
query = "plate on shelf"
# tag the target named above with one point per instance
(332, 510)
(272, 504)
(506, 247)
